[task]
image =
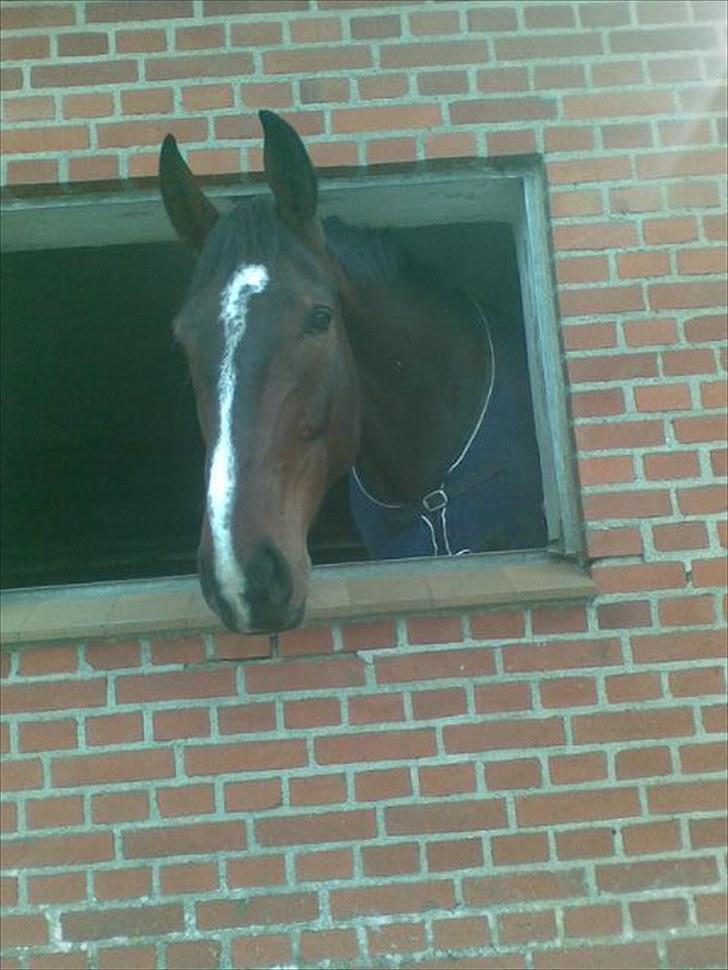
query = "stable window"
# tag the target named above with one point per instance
(102, 460)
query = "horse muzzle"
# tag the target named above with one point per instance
(262, 601)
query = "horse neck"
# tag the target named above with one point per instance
(415, 423)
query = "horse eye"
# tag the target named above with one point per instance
(319, 320)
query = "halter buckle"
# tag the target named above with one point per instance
(435, 500)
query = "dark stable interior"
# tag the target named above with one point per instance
(102, 461)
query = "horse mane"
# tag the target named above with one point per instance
(251, 232)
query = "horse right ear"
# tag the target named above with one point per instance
(289, 172)
(189, 211)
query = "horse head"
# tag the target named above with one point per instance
(275, 383)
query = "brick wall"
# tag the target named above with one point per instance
(539, 788)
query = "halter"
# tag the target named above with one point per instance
(432, 508)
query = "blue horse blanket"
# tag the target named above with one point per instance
(490, 497)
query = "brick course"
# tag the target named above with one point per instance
(518, 787)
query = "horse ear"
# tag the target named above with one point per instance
(289, 171)
(189, 211)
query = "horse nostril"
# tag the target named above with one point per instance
(269, 575)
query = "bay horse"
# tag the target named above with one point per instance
(317, 349)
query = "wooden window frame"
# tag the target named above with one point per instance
(512, 190)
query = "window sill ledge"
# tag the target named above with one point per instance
(142, 607)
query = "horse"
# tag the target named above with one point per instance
(317, 350)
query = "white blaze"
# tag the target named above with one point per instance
(246, 281)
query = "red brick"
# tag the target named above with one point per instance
(396, 938)
(67, 887)
(123, 883)
(651, 838)
(503, 697)
(452, 779)
(47, 735)
(84, 74)
(497, 625)
(573, 203)
(432, 704)
(22, 775)
(434, 665)
(376, 708)
(373, 786)
(621, 956)
(697, 682)
(132, 806)
(680, 535)
(389, 899)
(658, 914)
(585, 843)
(562, 655)
(517, 773)
(177, 685)
(631, 688)
(588, 170)
(711, 951)
(245, 756)
(708, 832)
(524, 733)
(582, 269)
(321, 946)
(114, 729)
(512, 850)
(687, 797)
(577, 806)
(710, 907)
(194, 955)
(314, 60)
(391, 859)
(20, 930)
(624, 615)
(305, 675)
(253, 796)
(300, 829)
(189, 877)
(129, 922)
(325, 864)
(49, 660)
(691, 646)
(632, 725)
(711, 572)
(53, 695)
(665, 873)
(262, 910)
(527, 927)
(454, 854)
(616, 368)
(626, 504)
(610, 435)
(200, 837)
(308, 640)
(266, 870)
(322, 789)
(642, 762)
(247, 718)
(648, 333)
(639, 577)
(568, 692)
(672, 465)
(173, 725)
(232, 646)
(673, 229)
(574, 769)
(375, 746)
(315, 712)
(186, 800)
(604, 543)
(376, 28)
(463, 816)
(140, 41)
(58, 850)
(460, 933)
(524, 887)
(198, 66)
(54, 813)
(112, 768)
(591, 921)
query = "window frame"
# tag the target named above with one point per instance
(512, 189)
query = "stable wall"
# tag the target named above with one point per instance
(538, 787)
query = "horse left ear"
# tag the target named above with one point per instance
(189, 210)
(289, 171)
